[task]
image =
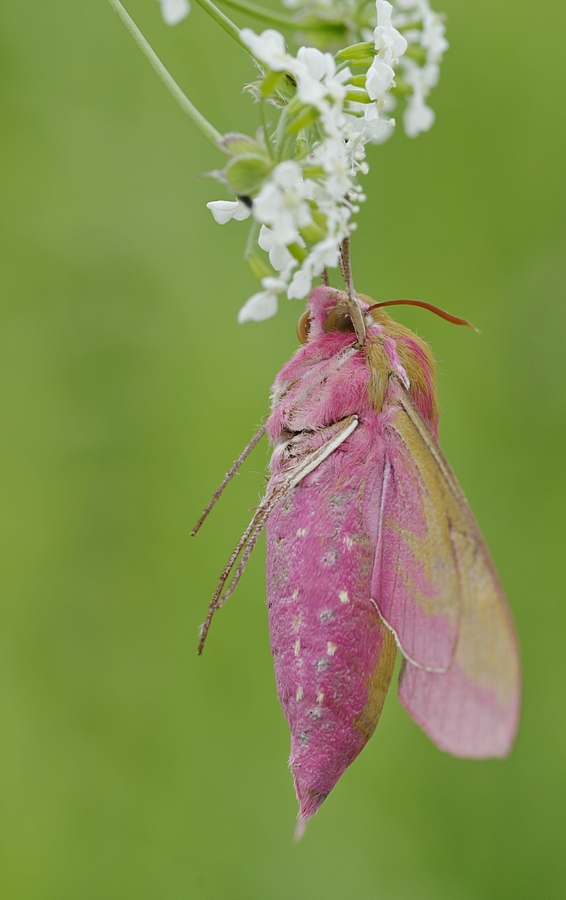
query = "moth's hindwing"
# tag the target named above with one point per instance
(436, 587)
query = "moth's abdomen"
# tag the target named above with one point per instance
(333, 655)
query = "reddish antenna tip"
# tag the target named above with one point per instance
(434, 309)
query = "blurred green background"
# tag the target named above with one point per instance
(128, 767)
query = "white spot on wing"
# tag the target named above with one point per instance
(299, 694)
(301, 532)
(319, 696)
(295, 594)
(343, 595)
(297, 646)
(348, 541)
(331, 648)
(330, 557)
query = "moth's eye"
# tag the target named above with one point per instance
(338, 320)
(303, 327)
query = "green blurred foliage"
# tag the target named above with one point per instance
(128, 767)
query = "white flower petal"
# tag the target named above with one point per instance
(280, 258)
(260, 306)
(418, 116)
(269, 48)
(281, 203)
(224, 210)
(266, 239)
(275, 285)
(316, 63)
(384, 10)
(287, 174)
(300, 285)
(174, 11)
(380, 130)
(379, 78)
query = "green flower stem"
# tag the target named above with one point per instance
(252, 241)
(270, 82)
(410, 26)
(358, 81)
(357, 54)
(280, 134)
(288, 148)
(276, 18)
(306, 117)
(401, 87)
(313, 172)
(357, 96)
(264, 128)
(299, 253)
(258, 268)
(295, 106)
(416, 53)
(203, 125)
(313, 234)
(224, 22)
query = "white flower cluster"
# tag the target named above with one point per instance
(423, 29)
(304, 204)
(300, 185)
(390, 45)
(317, 193)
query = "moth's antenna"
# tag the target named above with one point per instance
(435, 309)
(228, 477)
(352, 300)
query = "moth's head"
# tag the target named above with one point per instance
(326, 313)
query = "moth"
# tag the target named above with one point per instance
(372, 549)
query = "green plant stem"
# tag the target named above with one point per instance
(252, 239)
(203, 125)
(224, 22)
(279, 135)
(266, 136)
(268, 15)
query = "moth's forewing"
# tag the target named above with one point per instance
(434, 568)
(415, 581)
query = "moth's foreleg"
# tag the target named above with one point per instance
(250, 535)
(229, 475)
(280, 487)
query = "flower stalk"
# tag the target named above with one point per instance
(204, 126)
(298, 179)
(276, 18)
(221, 19)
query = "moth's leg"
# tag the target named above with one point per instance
(229, 475)
(311, 461)
(294, 476)
(251, 535)
(247, 552)
(303, 444)
(280, 486)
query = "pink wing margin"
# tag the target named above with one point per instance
(436, 588)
